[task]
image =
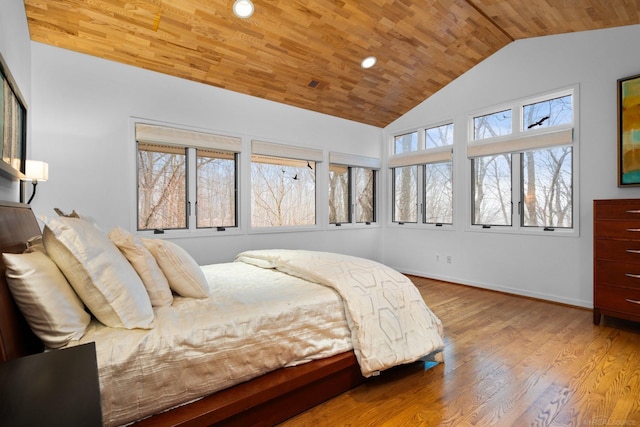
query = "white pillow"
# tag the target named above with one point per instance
(52, 309)
(101, 276)
(145, 265)
(184, 275)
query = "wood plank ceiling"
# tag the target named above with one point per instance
(421, 46)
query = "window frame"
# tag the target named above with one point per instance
(352, 161)
(420, 159)
(519, 133)
(236, 190)
(191, 176)
(266, 148)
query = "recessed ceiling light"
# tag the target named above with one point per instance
(243, 8)
(368, 62)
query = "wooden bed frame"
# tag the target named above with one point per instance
(266, 400)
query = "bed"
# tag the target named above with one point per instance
(308, 299)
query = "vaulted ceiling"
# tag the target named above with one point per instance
(307, 53)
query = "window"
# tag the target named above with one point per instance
(283, 185)
(365, 192)
(162, 187)
(405, 194)
(492, 125)
(438, 193)
(339, 194)
(167, 183)
(352, 188)
(217, 187)
(422, 181)
(534, 158)
(439, 136)
(548, 113)
(405, 143)
(492, 190)
(547, 187)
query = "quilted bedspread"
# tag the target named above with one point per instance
(389, 321)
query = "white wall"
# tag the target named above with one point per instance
(555, 268)
(16, 51)
(81, 114)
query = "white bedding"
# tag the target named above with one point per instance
(256, 320)
(389, 321)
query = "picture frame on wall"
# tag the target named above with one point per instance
(629, 131)
(13, 126)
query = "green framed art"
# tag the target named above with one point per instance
(629, 131)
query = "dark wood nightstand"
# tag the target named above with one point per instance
(58, 387)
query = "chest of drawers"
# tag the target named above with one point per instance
(616, 259)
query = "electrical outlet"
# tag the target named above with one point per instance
(449, 258)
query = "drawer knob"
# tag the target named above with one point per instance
(633, 301)
(633, 276)
(633, 230)
(633, 251)
(634, 211)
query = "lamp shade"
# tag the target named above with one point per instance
(36, 170)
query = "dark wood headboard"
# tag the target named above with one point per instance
(17, 225)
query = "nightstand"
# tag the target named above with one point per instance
(58, 387)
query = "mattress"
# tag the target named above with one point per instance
(256, 320)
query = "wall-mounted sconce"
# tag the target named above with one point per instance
(35, 171)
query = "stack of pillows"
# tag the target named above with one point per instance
(118, 277)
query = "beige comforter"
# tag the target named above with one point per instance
(254, 321)
(389, 321)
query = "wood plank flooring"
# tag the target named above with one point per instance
(509, 361)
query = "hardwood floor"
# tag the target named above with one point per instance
(509, 361)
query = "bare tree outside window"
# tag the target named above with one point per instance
(283, 192)
(439, 136)
(405, 143)
(492, 190)
(438, 178)
(162, 187)
(405, 194)
(438, 189)
(547, 174)
(492, 125)
(547, 188)
(339, 205)
(365, 183)
(548, 113)
(216, 188)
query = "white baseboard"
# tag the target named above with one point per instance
(508, 290)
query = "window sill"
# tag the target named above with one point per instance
(502, 229)
(181, 234)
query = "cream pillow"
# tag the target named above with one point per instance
(52, 309)
(184, 275)
(101, 276)
(145, 265)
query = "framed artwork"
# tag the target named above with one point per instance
(629, 131)
(13, 126)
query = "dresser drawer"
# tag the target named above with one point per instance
(618, 299)
(617, 230)
(617, 273)
(616, 209)
(617, 250)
